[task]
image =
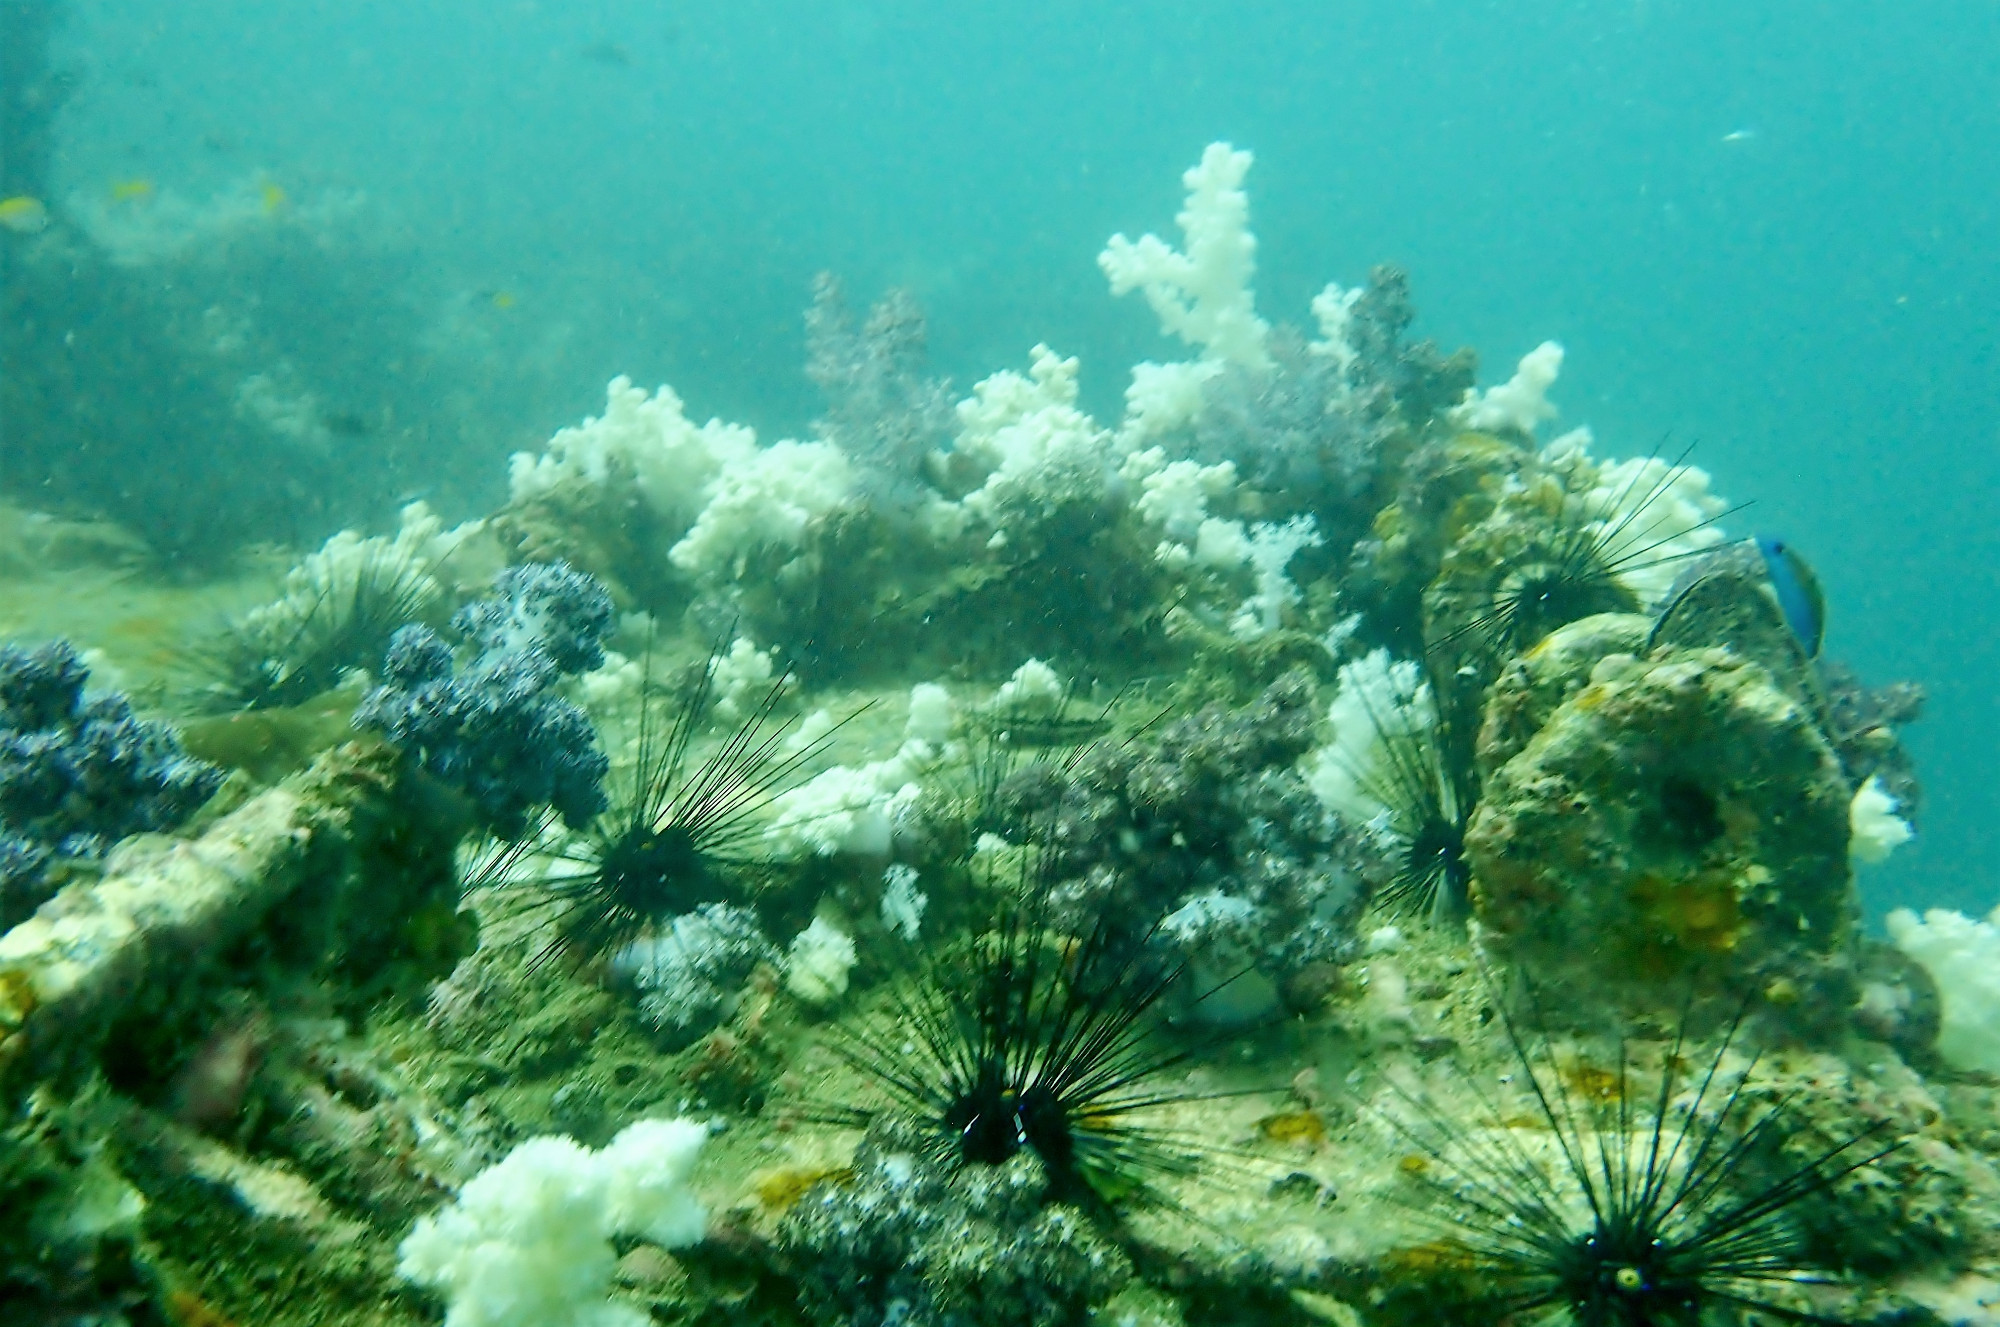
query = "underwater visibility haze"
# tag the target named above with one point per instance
(887, 664)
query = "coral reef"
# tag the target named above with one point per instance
(1173, 976)
(78, 773)
(494, 727)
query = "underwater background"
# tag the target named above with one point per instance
(1766, 230)
(1438, 798)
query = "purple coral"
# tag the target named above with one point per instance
(495, 728)
(1311, 431)
(78, 773)
(883, 408)
(542, 605)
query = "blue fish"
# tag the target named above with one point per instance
(1798, 591)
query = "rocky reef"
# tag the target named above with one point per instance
(1242, 862)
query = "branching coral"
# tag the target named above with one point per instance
(1202, 295)
(78, 772)
(705, 497)
(1312, 431)
(1520, 403)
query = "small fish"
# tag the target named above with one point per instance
(346, 423)
(607, 53)
(1763, 558)
(1798, 592)
(131, 191)
(24, 215)
(502, 299)
(1739, 135)
(274, 197)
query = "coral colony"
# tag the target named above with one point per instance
(1313, 848)
(78, 773)
(495, 727)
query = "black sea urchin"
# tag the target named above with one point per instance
(1503, 600)
(673, 838)
(1414, 762)
(338, 615)
(1620, 1206)
(1024, 1040)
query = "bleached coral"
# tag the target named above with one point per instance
(529, 1240)
(1520, 403)
(766, 499)
(743, 674)
(903, 903)
(339, 608)
(1648, 517)
(1034, 444)
(1203, 294)
(714, 495)
(1033, 690)
(646, 438)
(817, 964)
(1963, 958)
(1381, 702)
(1271, 549)
(1162, 398)
(1333, 309)
(1175, 495)
(932, 713)
(1874, 828)
(342, 568)
(853, 809)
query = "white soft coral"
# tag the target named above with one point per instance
(1027, 433)
(767, 499)
(1202, 294)
(648, 439)
(1520, 403)
(528, 1243)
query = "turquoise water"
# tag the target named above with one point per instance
(1770, 233)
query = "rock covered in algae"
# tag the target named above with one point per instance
(134, 945)
(1680, 816)
(904, 1240)
(1534, 685)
